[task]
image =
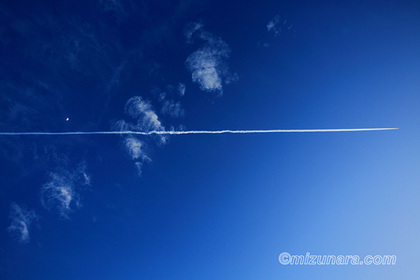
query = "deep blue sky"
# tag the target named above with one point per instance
(208, 206)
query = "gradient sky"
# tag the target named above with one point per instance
(208, 206)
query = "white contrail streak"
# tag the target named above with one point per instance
(165, 132)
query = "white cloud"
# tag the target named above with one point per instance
(141, 110)
(208, 65)
(139, 167)
(112, 5)
(190, 29)
(276, 27)
(169, 91)
(62, 190)
(146, 120)
(172, 109)
(162, 96)
(272, 25)
(136, 148)
(21, 221)
(181, 89)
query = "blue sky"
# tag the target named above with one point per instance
(208, 206)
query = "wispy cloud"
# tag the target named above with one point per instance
(277, 25)
(208, 65)
(62, 191)
(172, 109)
(21, 222)
(181, 89)
(190, 29)
(272, 25)
(49, 45)
(112, 5)
(136, 149)
(139, 167)
(142, 110)
(146, 120)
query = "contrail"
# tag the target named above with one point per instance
(165, 132)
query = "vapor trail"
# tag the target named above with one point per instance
(165, 132)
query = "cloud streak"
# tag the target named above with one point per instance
(165, 132)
